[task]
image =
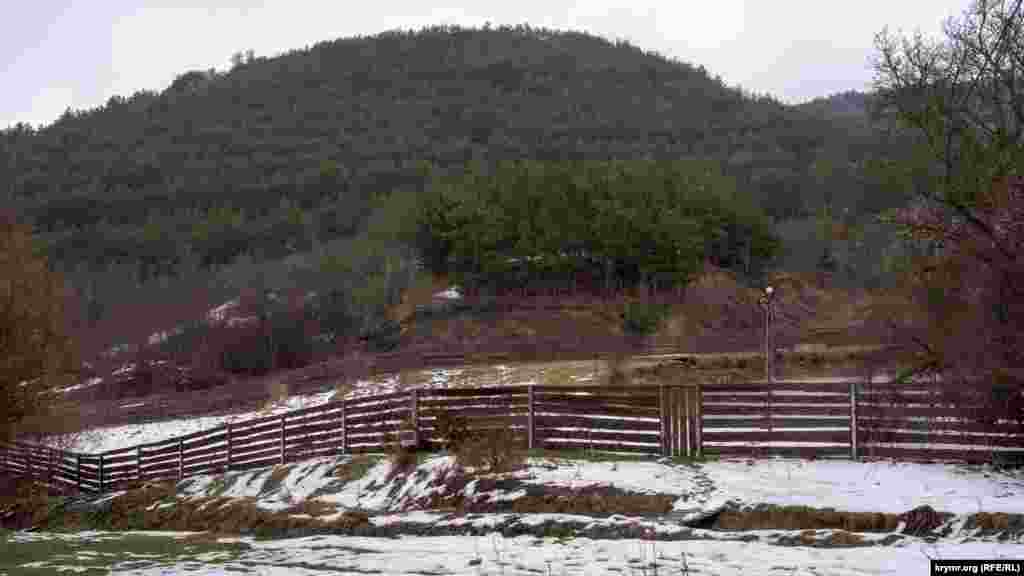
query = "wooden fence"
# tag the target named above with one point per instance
(644, 419)
(809, 420)
(906, 421)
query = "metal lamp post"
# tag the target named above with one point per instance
(769, 357)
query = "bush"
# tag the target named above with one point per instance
(618, 373)
(403, 459)
(453, 430)
(384, 338)
(402, 454)
(643, 318)
(497, 449)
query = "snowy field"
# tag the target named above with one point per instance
(490, 555)
(881, 486)
(668, 544)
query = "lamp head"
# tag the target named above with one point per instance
(769, 290)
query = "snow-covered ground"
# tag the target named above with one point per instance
(880, 486)
(494, 555)
(666, 543)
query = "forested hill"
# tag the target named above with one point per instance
(851, 105)
(278, 153)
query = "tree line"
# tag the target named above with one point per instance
(598, 226)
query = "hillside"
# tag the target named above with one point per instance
(295, 174)
(278, 153)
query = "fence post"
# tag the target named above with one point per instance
(344, 429)
(138, 463)
(700, 420)
(682, 412)
(661, 419)
(78, 471)
(530, 426)
(99, 471)
(691, 421)
(228, 465)
(678, 421)
(414, 415)
(181, 459)
(283, 416)
(853, 420)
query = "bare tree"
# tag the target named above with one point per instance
(963, 98)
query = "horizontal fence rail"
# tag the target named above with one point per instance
(853, 420)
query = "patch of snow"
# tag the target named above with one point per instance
(87, 384)
(882, 486)
(451, 293)
(219, 313)
(125, 369)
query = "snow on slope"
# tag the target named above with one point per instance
(114, 437)
(881, 486)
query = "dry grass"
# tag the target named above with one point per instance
(277, 391)
(25, 505)
(558, 375)
(401, 453)
(804, 518)
(618, 370)
(408, 379)
(276, 477)
(598, 502)
(420, 293)
(355, 468)
(211, 537)
(691, 368)
(343, 388)
(517, 328)
(995, 521)
(842, 538)
(214, 516)
(313, 508)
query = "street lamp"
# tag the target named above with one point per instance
(769, 357)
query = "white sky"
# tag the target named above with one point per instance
(57, 54)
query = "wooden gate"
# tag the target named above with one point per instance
(681, 420)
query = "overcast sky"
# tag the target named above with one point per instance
(57, 54)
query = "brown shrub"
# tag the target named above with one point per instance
(218, 516)
(453, 431)
(842, 538)
(495, 449)
(803, 518)
(402, 460)
(593, 502)
(401, 452)
(313, 507)
(618, 373)
(996, 522)
(276, 477)
(921, 520)
(37, 353)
